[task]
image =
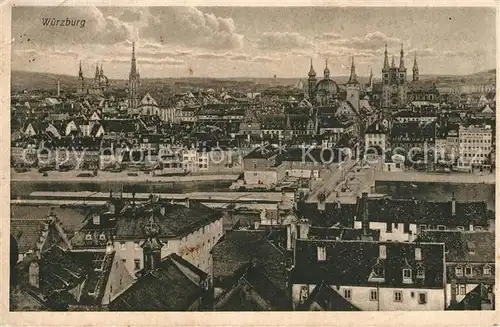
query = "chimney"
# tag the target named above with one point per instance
(163, 209)
(453, 205)
(365, 222)
(187, 202)
(133, 197)
(96, 219)
(382, 250)
(418, 254)
(303, 229)
(256, 224)
(34, 274)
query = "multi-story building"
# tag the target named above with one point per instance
(371, 276)
(261, 167)
(402, 220)
(470, 263)
(137, 231)
(475, 143)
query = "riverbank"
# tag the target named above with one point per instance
(413, 176)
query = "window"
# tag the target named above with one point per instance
(137, 264)
(422, 298)
(441, 227)
(124, 260)
(406, 273)
(347, 293)
(423, 227)
(478, 228)
(486, 270)
(379, 272)
(373, 295)
(420, 272)
(321, 253)
(459, 271)
(122, 246)
(389, 228)
(136, 245)
(460, 228)
(398, 296)
(468, 271)
(462, 289)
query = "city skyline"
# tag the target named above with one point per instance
(222, 42)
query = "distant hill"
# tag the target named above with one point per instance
(23, 80)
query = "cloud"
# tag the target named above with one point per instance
(148, 61)
(283, 41)
(328, 37)
(192, 27)
(264, 59)
(371, 41)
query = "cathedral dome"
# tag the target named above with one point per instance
(328, 86)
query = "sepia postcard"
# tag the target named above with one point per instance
(217, 158)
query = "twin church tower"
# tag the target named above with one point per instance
(394, 84)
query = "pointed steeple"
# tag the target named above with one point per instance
(370, 80)
(80, 72)
(352, 78)
(386, 59)
(102, 71)
(96, 70)
(133, 69)
(402, 59)
(312, 73)
(415, 65)
(393, 65)
(327, 71)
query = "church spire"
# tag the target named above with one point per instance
(386, 59)
(80, 72)
(96, 70)
(415, 68)
(133, 69)
(370, 79)
(402, 59)
(327, 71)
(352, 78)
(102, 71)
(312, 73)
(392, 63)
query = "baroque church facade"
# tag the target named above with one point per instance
(100, 83)
(394, 85)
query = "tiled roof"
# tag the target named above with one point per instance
(352, 262)
(262, 152)
(239, 248)
(27, 233)
(178, 220)
(427, 212)
(464, 246)
(333, 214)
(167, 288)
(315, 155)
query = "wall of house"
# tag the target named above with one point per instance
(360, 297)
(119, 280)
(459, 296)
(397, 234)
(194, 248)
(263, 177)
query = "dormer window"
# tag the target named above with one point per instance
(88, 237)
(102, 237)
(406, 273)
(321, 253)
(459, 271)
(468, 271)
(486, 270)
(420, 272)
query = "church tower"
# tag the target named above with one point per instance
(402, 87)
(352, 88)
(415, 69)
(386, 78)
(133, 82)
(96, 77)
(311, 82)
(80, 76)
(370, 80)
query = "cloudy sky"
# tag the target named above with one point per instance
(252, 42)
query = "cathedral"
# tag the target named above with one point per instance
(99, 85)
(394, 85)
(324, 92)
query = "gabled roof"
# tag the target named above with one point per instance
(167, 288)
(237, 249)
(464, 246)
(351, 263)
(323, 297)
(263, 152)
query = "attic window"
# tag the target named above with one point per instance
(420, 272)
(406, 273)
(486, 270)
(88, 237)
(459, 271)
(471, 247)
(468, 271)
(102, 237)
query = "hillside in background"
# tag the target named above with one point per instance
(23, 80)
